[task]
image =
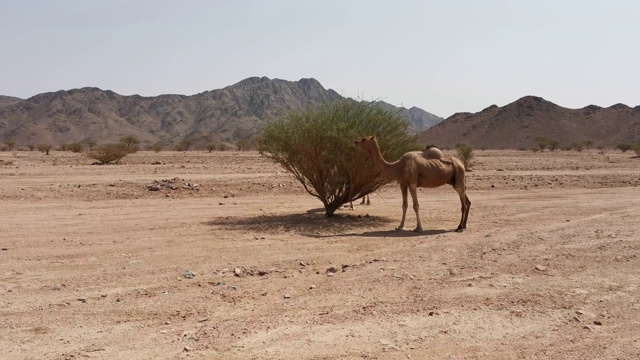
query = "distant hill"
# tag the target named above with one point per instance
(225, 115)
(517, 124)
(8, 100)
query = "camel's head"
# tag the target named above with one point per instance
(363, 142)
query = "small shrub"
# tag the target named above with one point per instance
(10, 144)
(535, 149)
(91, 144)
(109, 153)
(222, 147)
(183, 145)
(31, 147)
(465, 153)
(542, 142)
(576, 146)
(75, 147)
(587, 144)
(553, 145)
(624, 147)
(157, 147)
(210, 147)
(45, 148)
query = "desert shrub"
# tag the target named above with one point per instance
(624, 147)
(316, 145)
(541, 141)
(553, 145)
(31, 147)
(183, 145)
(465, 153)
(242, 144)
(157, 147)
(130, 141)
(210, 147)
(91, 144)
(10, 144)
(587, 144)
(577, 146)
(74, 147)
(45, 148)
(109, 153)
(222, 147)
(535, 149)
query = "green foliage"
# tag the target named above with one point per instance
(577, 146)
(10, 144)
(624, 147)
(242, 144)
(130, 141)
(587, 144)
(109, 153)
(183, 145)
(45, 148)
(316, 146)
(73, 147)
(465, 153)
(91, 144)
(157, 147)
(541, 141)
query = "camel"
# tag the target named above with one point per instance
(430, 152)
(415, 170)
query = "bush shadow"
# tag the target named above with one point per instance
(314, 224)
(310, 223)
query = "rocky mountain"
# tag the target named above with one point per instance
(419, 120)
(516, 125)
(8, 100)
(225, 115)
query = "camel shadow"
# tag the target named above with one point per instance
(311, 223)
(388, 234)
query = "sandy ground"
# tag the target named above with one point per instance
(230, 259)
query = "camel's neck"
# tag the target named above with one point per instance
(378, 161)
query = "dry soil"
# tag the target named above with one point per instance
(229, 258)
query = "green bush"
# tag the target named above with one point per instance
(157, 147)
(624, 147)
(109, 153)
(45, 148)
(317, 146)
(74, 147)
(465, 153)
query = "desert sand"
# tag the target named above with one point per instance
(228, 258)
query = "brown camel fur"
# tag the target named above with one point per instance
(415, 170)
(429, 152)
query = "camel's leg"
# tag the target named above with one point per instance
(466, 214)
(466, 204)
(416, 207)
(368, 201)
(405, 205)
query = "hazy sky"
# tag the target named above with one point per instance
(442, 56)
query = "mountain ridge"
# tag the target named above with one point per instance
(517, 124)
(228, 114)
